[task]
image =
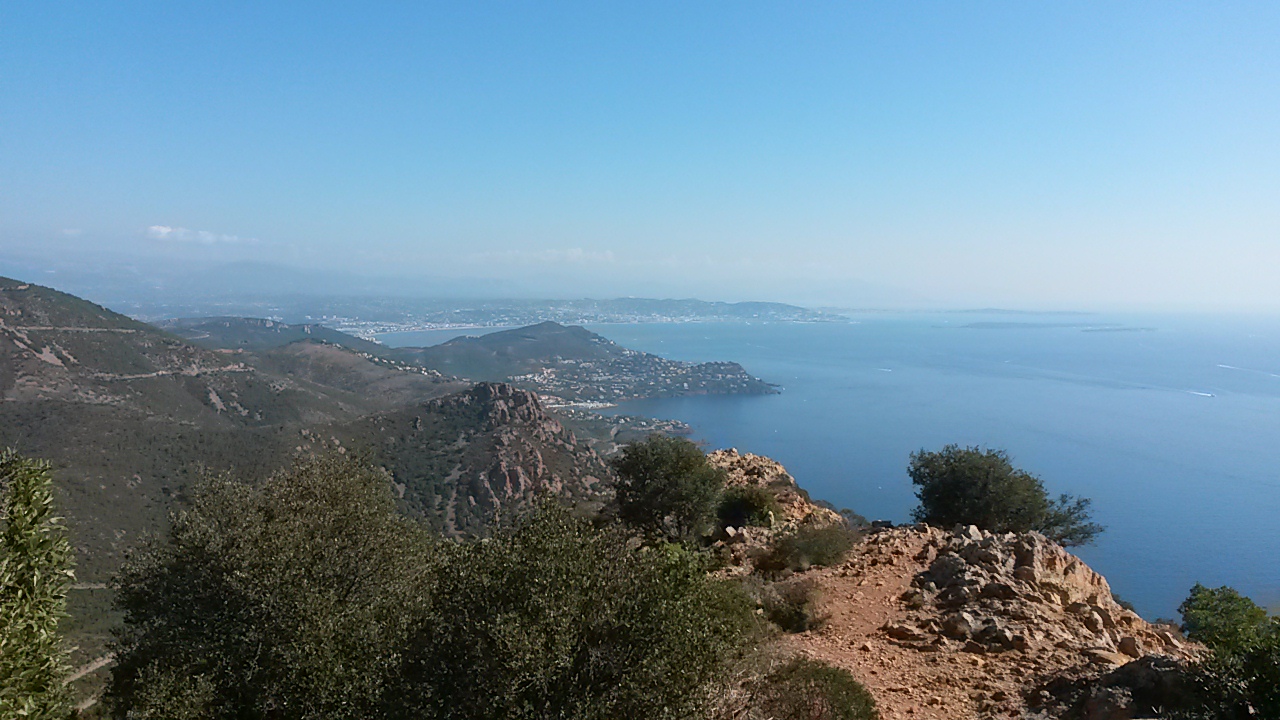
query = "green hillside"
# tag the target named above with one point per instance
(130, 414)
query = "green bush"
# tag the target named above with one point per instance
(971, 486)
(557, 619)
(745, 505)
(810, 690)
(666, 487)
(309, 596)
(1241, 678)
(808, 546)
(792, 606)
(35, 575)
(288, 599)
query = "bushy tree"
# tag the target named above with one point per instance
(35, 575)
(974, 486)
(1241, 678)
(285, 600)
(666, 487)
(555, 618)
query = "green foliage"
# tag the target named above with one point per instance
(806, 689)
(808, 546)
(1242, 676)
(284, 600)
(310, 597)
(747, 505)
(35, 575)
(971, 486)
(557, 619)
(1222, 618)
(666, 487)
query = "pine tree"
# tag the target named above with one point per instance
(35, 575)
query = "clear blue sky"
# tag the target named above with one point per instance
(1022, 154)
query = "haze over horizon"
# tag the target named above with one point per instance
(1083, 156)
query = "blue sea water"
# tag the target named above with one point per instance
(1170, 424)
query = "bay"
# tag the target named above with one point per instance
(1170, 424)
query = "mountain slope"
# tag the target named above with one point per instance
(469, 459)
(130, 415)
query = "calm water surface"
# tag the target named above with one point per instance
(1171, 425)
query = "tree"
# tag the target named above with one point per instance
(35, 575)
(972, 486)
(286, 600)
(556, 618)
(666, 487)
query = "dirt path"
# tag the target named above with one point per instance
(860, 597)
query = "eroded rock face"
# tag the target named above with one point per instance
(1000, 592)
(961, 623)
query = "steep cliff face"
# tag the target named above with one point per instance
(468, 459)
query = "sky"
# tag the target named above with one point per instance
(1068, 155)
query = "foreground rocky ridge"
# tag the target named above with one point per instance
(966, 624)
(963, 623)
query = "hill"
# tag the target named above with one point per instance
(574, 365)
(129, 414)
(466, 460)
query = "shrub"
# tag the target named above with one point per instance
(557, 619)
(808, 546)
(792, 606)
(1241, 678)
(666, 487)
(35, 575)
(747, 505)
(289, 599)
(971, 486)
(810, 690)
(310, 597)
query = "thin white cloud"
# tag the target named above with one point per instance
(549, 256)
(201, 237)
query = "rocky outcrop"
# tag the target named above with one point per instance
(501, 404)
(994, 593)
(961, 623)
(747, 469)
(740, 547)
(475, 457)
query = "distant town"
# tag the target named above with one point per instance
(369, 317)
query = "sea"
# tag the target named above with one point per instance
(1170, 424)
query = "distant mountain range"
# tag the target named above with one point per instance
(370, 315)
